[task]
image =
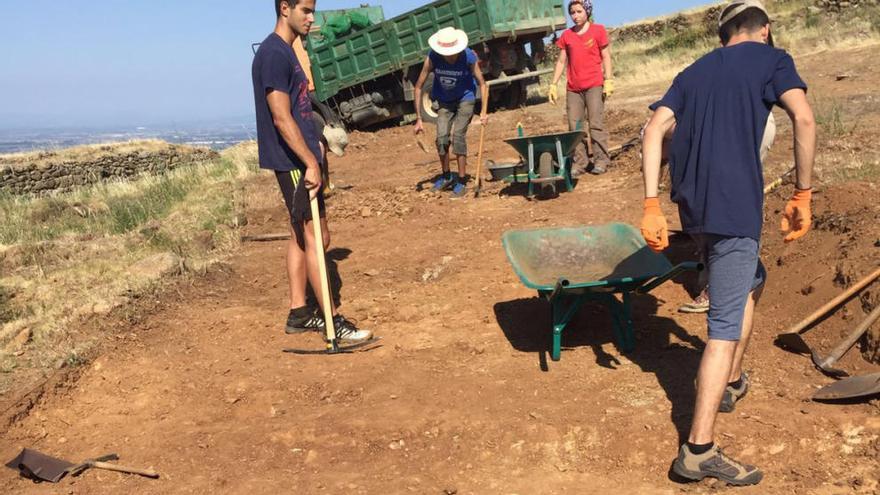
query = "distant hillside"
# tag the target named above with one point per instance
(657, 49)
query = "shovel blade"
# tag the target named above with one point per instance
(824, 365)
(850, 388)
(793, 342)
(39, 466)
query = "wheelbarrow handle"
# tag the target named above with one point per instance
(675, 271)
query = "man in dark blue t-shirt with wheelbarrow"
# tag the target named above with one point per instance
(719, 107)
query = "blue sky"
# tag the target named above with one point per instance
(158, 62)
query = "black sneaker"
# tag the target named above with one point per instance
(303, 320)
(347, 332)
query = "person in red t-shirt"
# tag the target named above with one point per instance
(587, 52)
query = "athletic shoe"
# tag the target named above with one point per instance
(443, 182)
(715, 464)
(700, 304)
(597, 170)
(732, 395)
(310, 322)
(347, 332)
(459, 190)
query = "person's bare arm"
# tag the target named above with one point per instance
(279, 106)
(561, 60)
(484, 92)
(795, 103)
(652, 148)
(606, 62)
(427, 67)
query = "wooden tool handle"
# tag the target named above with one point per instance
(854, 337)
(326, 302)
(480, 159)
(123, 469)
(834, 302)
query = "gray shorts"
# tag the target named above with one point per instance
(734, 271)
(454, 118)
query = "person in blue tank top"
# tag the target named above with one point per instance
(457, 74)
(717, 111)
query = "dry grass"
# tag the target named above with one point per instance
(796, 29)
(67, 256)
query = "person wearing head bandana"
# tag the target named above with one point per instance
(586, 51)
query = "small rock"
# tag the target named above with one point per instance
(311, 457)
(157, 266)
(372, 273)
(776, 449)
(450, 491)
(366, 212)
(19, 341)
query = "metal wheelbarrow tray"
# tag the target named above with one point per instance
(568, 266)
(539, 153)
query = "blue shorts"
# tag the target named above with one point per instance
(734, 272)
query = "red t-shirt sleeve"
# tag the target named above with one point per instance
(602, 36)
(561, 41)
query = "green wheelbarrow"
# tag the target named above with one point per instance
(568, 266)
(548, 158)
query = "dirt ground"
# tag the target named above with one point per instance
(461, 397)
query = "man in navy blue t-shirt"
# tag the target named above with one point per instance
(718, 108)
(289, 144)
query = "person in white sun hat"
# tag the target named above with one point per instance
(457, 74)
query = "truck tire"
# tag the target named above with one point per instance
(426, 106)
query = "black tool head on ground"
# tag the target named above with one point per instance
(850, 388)
(824, 365)
(792, 342)
(367, 345)
(38, 466)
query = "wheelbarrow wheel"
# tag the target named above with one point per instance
(545, 170)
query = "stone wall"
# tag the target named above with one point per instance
(841, 5)
(703, 19)
(45, 172)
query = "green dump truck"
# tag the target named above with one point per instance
(368, 76)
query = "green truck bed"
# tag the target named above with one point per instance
(402, 41)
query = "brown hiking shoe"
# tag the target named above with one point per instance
(715, 464)
(733, 395)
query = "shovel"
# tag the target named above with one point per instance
(850, 388)
(480, 163)
(826, 364)
(792, 339)
(333, 346)
(41, 467)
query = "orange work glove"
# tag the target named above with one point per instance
(654, 228)
(797, 217)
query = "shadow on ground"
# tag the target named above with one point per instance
(663, 347)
